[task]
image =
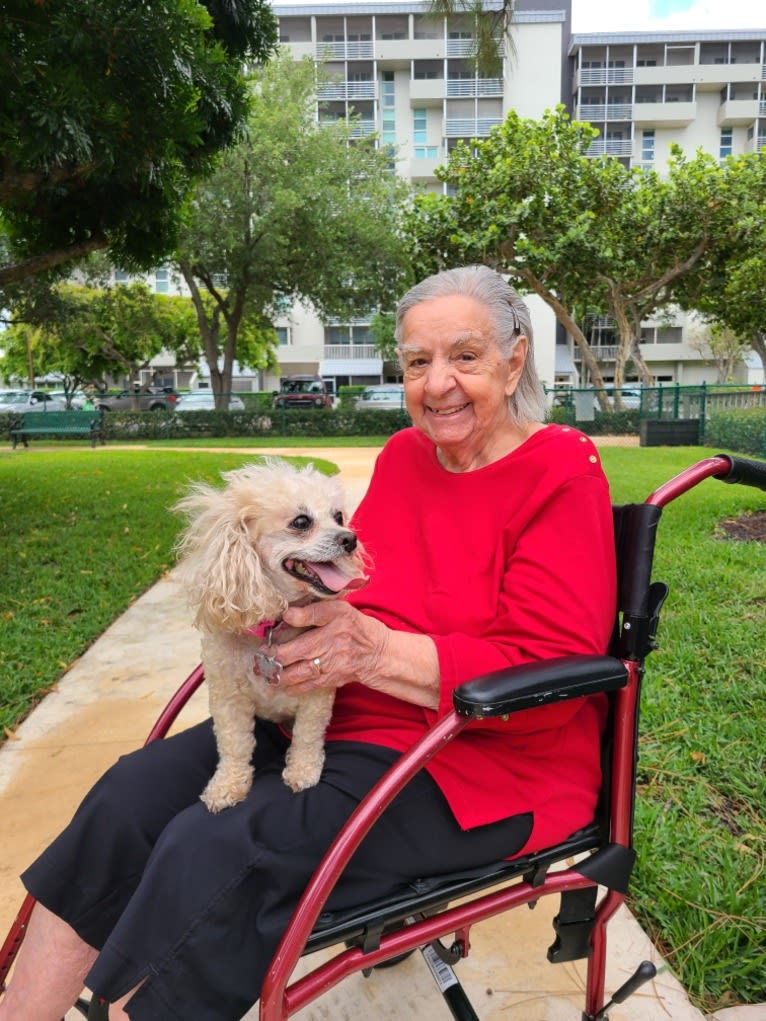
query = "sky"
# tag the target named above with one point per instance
(666, 15)
(659, 15)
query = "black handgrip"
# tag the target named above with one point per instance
(643, 973)
(743, 471)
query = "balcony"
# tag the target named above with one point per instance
(348, 90)
(336, 352)
(610, 147)
(670, 114)
(345, 50)
(742, 112)
(468, 127)
(604, 76)
(426, 91)
(605, 112)
(473, 88)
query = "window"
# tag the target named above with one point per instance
(121, 277)
(161, 281)
(419, 134)
(283, 335)
(426, 152)
(725, 148)
(647, 146)
(337, 334)
(388, 111)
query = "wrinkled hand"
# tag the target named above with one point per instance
(348, 645)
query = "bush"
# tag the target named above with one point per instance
(743, 430)
(611, 423)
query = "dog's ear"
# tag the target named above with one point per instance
(220, 567)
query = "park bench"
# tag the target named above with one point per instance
(58, 423)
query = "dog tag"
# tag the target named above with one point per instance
(267, 667)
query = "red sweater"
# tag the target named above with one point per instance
(507, 564)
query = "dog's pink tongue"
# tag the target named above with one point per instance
(335, 580)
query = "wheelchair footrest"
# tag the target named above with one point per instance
(573, 926)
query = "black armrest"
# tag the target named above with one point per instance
(536, 684)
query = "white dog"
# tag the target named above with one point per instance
(273, 536)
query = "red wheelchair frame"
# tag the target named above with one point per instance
(382, 932)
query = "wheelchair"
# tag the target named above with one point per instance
(589, 871)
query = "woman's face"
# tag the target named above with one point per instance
(456, 381)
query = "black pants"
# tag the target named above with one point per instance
(195, 904)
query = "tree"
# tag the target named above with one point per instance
(86, 335)
(728, 287)
(110, 111)
(526, 201)
(585, 234)
(724, 347)
(491, 27)
(296, 211)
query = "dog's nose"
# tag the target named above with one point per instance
(347, 541)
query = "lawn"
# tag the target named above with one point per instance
(84, 535)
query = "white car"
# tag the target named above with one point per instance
(384, 396)
(78, 398)
(17, 401)
(203, 400)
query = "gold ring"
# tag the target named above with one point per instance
(317, 662)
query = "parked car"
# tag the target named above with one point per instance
(381, 397)
(29, 400)
(145, 398)
(302, 392)
(203, 400)
(78, 398)
(631, 399)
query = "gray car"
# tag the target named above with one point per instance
(145, 398)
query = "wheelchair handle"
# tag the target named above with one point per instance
(744, 471)
(726, 467)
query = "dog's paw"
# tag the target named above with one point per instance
(300, 778)
(220, 794)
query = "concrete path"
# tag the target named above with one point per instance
(106, 704)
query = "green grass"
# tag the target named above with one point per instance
(84, 535)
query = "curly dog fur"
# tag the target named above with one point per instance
(273, 536)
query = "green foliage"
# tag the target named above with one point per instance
(110, 110)
(743, 431)
(88, 335)
(297, 211)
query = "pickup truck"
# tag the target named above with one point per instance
(145, 398)
(302, 392)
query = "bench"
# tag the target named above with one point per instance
(58, 423)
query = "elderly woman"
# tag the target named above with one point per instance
(491, 540)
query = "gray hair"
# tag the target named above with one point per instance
(510, 320)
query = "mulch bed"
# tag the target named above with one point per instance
(746, 528)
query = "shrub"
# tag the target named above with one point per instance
(743, 430)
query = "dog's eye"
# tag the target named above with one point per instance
(302, 523)
(338, 516)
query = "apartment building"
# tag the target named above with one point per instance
(408, 77)
(644, 92)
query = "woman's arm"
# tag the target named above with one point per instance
(352, 646)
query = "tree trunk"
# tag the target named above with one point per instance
(567, 321)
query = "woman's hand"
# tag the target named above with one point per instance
(342, 644)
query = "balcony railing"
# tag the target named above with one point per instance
(606, 76)
(474, 87)
(345, 50)
(335, 352)
(610, 147)
(601, 352)
(468, 127)
(606, 112)
(347, 90)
